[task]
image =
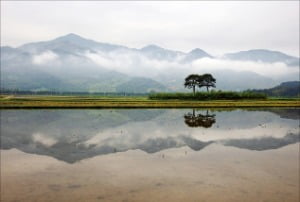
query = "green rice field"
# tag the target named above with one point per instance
(29, 101)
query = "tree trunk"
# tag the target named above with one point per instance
(207, 88)
(194, 90)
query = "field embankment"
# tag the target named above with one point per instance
(133, 102)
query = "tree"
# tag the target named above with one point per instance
(192, 81)
(199, 120)
(207, 80)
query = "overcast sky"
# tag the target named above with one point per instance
(217, 27)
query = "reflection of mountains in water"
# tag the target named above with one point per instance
(286, 113)
(75, 151)
(69, 130)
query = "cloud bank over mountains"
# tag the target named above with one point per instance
(137, 64)
(44, 58)
(87, 65)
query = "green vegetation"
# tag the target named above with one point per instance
(213, 95)
(154, 100)
(194, 80)
(27, 101)
(206, 80)
(285, 89)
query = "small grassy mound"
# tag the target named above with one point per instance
(213, 95)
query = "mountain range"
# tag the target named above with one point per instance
(73, 63)
(285, 89)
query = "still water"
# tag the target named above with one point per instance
(150, 155)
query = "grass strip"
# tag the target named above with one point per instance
(134, 102)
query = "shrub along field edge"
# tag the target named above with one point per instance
(213, 95)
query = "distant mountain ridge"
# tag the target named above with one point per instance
(285, 89)
(261, 55)
(73, 40)
(69, 41)
(73, 63)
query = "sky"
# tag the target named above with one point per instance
(217, 27)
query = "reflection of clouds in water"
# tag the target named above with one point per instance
(106, 137)
(263, 143)
(44, 139)
(135, 133)
(130, 134)
(271, 130)
(229, 124)
(141, 129)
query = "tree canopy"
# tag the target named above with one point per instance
(204, 80)
(192, 81)
(207, 80)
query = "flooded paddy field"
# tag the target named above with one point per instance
(150, 155)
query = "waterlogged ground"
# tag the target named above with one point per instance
(150, 155)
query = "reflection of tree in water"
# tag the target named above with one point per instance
(199, 120)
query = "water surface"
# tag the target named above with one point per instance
(150, 155)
